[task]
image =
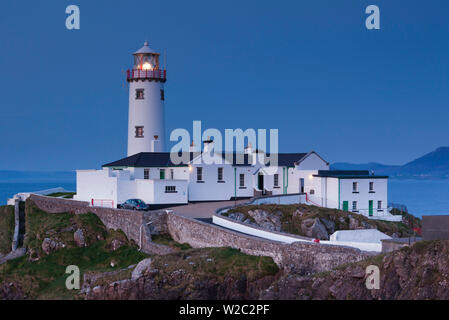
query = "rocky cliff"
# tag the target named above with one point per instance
(418, 272)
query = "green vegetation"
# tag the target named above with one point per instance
(66, 195)
(167, 240)
(217, 262)
(41, 275)
(45, 279)
(6, 228)
(291, 221)
(59, 227)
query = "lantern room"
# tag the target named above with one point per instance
(146, 58)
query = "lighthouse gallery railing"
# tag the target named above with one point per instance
(146, 74)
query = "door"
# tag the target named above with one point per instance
(301, 185)
(345, 206)
(371, 208)
(260, 182)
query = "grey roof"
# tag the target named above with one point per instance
(289, 159)
(145, 49)
(163, 159)
(348, 174)
(149, 159)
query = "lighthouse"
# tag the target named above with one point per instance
(146, 128)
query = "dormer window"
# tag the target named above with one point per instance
(139, 94)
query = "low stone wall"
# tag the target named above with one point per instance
(137, 225)
(300, 257)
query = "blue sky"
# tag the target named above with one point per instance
(309, 68)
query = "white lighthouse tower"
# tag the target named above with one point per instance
(146, 128)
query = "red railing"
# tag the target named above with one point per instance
(105, 203)
(146, 74)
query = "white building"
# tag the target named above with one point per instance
(152, 175)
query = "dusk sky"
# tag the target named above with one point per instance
(308, 68)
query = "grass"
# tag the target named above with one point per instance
(217, 262)
(166, 239)
(59, 227)
(45, 279)
(66, 195)
(7, 225)
(291, 222)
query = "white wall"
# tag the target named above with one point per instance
(162, 197)
(313, 162)
(363, 196)
(366, 235)
(149, 113)
(119, 186)
(287, 238)
(96, 184)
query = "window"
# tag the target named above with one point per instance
(162, 174)
(220, 174)
(242, 180)
(199, 174)
(379, 205)
(170, 189)
(276, 180)
(354, 187)
(139, 132)
(146, 174)
(139, 94)
(354, 205)
(172, 174)
(371, 187)
(162, 95)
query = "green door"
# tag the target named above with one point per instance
(371, 208)
(162, 174)
(345, 206)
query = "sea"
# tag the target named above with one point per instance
(421, 197)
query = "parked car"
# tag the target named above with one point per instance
(134, 204)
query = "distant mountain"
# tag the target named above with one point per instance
(433, 165)
(24, 176)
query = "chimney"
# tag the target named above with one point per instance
(192, 147)
(155, 144)
(249, 149)
(208, 145)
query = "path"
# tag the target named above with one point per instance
(203, 209)
(13, 255)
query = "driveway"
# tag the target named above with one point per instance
(203, 209)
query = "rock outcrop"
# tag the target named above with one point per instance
(418, 272)
(311, 221)
(314, 228)
(49, 245)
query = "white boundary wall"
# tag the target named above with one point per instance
(284, 237)
(239, 227)
(226, 223)
(281, 199)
